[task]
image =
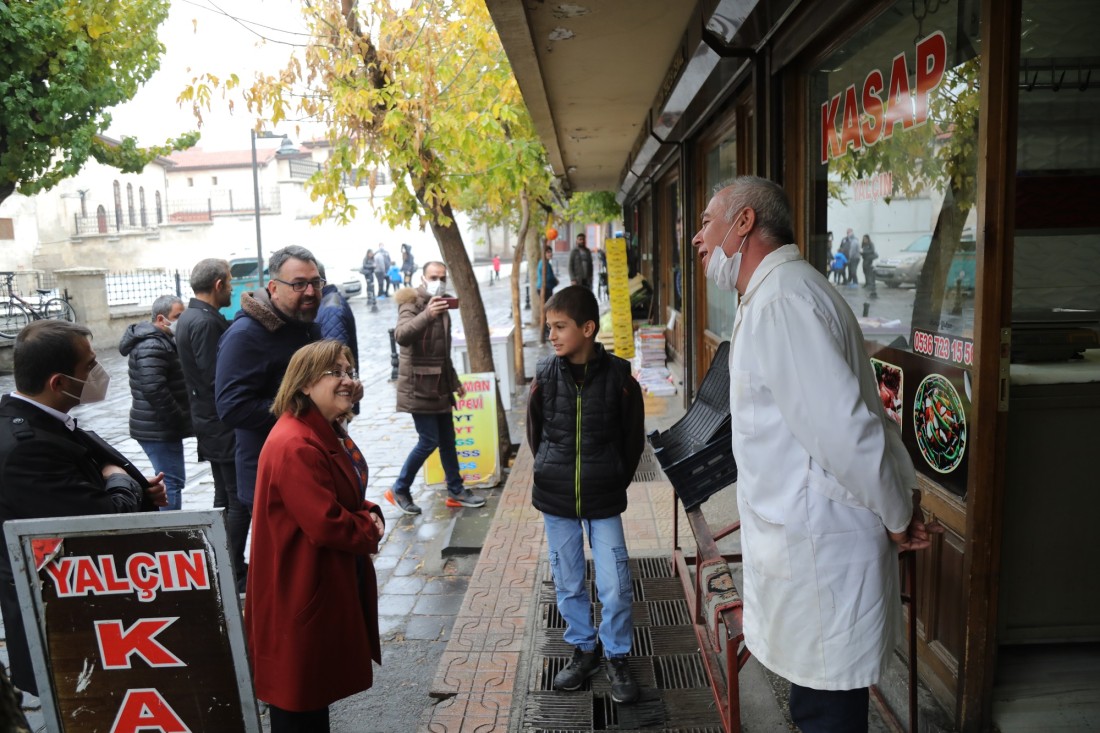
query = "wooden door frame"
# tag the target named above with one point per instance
(992, 321)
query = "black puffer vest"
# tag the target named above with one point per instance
(579, 468)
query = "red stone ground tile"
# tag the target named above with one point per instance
(475, 672)
(485, 634)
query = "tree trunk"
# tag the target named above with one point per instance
(932, 284)
(471, 306)
(534, 253)
(517, 314)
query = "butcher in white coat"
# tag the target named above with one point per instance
(826, 491)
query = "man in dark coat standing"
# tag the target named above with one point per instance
(197, 333)
(48, 466)
(580, 264)
(254, 353)
(160, 417)
(336, 320)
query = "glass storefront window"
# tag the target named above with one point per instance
(894, 144)
(721, 166)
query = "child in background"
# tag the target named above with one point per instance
(839, 266)
(580, 483)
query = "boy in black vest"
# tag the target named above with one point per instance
(586, 426)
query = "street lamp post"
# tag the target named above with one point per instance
(256, 200)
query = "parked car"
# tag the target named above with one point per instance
(905, 268)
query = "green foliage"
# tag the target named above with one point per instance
(425, 91)
(63, 63)
(592, 207)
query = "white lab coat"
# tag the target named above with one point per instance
(822, 474)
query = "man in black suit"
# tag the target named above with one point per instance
(48, 466)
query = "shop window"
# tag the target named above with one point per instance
(721, 167)
(893, 114)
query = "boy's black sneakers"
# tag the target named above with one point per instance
(584, 665)
(623, 687)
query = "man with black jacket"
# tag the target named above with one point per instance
(197, 333)
(48, 466)
(160, 417)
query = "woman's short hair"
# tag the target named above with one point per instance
(306, 368)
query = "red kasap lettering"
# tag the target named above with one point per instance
(866, 117)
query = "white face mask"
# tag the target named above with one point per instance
(434, 287)
(724, 270)
(95, 386)
(172, 326)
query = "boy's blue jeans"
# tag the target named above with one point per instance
(167, 456)
(565, 538)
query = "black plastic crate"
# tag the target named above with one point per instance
(704, 473)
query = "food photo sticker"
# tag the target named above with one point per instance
(939, 423)
(891, 390)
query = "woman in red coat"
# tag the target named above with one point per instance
(311, 610)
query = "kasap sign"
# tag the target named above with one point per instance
(133, 623)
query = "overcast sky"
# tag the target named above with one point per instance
(199, 38)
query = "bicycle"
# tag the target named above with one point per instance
(16, 312)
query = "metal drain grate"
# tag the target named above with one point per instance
(647, 476)
(664, 659)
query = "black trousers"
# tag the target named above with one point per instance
(288, 721)
(237, 516)
(829, 711)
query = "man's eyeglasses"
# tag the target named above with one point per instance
(341, 374)
(299, 286)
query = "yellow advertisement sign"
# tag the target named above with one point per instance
(618, 292)
(475, 419)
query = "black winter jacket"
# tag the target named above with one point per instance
(160, 411)
(252, 358)
(583, 464)
(198, 330)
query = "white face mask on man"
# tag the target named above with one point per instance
(434, 287)
(723, 270)
(95, 386)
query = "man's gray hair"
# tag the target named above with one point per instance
(162, 306)
(424, 269)
(206, 273)
(766, 198)
(294, 251)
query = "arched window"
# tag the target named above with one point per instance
(160, 211)
(101, 219)
(130, 203)
(141, 206)
(118, 206)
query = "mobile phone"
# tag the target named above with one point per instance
(452, 303)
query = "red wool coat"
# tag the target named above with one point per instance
(311, 633)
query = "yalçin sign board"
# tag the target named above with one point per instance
(133, 623)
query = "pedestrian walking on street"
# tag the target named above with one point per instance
(867, 249)
(586, 427)
(49, 467)
(311, 611)
(160, 414)
(426, 385)
(198, 331)
(850, 247)
(580, 264)
(367, 268)
(408, 265)
(496, 269)
(382, 270)
(826, 491)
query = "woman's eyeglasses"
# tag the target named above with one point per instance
(341, 374)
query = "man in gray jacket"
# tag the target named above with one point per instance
(426, 383)
(580, 264)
